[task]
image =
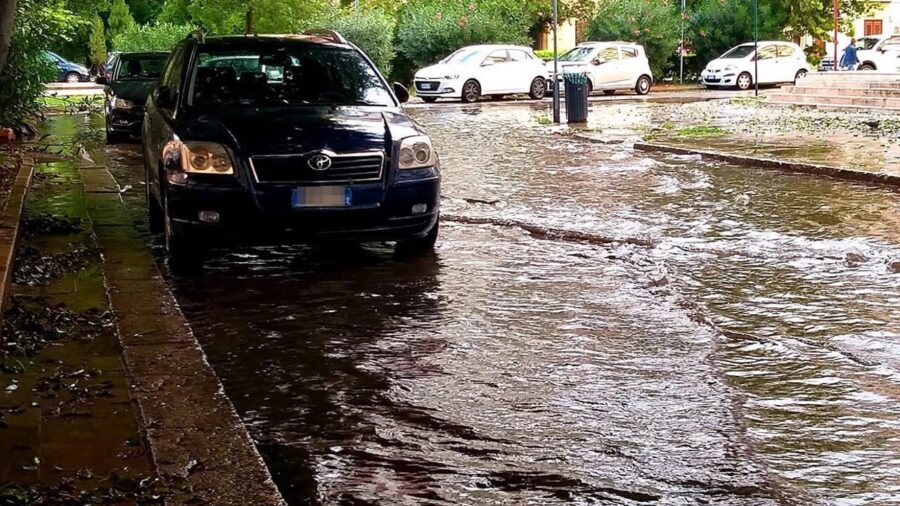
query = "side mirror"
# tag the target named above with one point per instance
(163, 98)
(402, 94)
(596, 61)
(102, 81)
(487, 63)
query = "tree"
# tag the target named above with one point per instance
(175, 11)
(158, 37)
(652, 24)
(269, 16)
(145, 11)
(7, 16)
(119, 18)
(97, 44)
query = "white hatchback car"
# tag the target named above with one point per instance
(883, 56)
(779, 62)
(475, 71)
(610, 66)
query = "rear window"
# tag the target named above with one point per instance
(140, 68)
(287, 75)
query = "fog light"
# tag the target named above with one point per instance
(448, 90)
(209, 216)
(419, 208)
(177, 177)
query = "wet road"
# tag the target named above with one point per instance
(707, 334)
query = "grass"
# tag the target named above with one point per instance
(72, 104)
(542, 120)
(700, 131)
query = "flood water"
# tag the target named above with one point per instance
(708, 334)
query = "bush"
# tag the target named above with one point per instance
(716, 26)
(545, 54)
(429, 30)
(97, 42)
(372, 31)
(159, 37)
(652, 24)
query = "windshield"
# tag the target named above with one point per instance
(463, 56)
(577, 54)
(140, 68)
(739, 52)
(296, 75)
(867, 42)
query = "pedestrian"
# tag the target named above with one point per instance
(850, 60)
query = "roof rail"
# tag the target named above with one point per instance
(332, 35)
(198, 34)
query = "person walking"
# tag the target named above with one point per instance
(850, 60)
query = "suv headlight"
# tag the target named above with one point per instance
(205, 158)
(416, 153)
(121, 103)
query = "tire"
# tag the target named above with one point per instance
(72, 77)
(184, 253)
(744, 81)
(538, 88)
(429, 100)
(590, 88)
(155, 217)
(800, 75)
(609, 92)
(471, 91)
(420, 245)
(867, 66)
(114, 137)
(642, 87)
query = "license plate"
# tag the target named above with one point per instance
(426, 86)
(322, 196)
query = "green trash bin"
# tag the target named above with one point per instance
(576, 97)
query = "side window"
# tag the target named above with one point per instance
(629, 52)
(171, 76)
(607, 55)
(517, 56)
(766, 53)
(785, 51)
(891, 44)
(496, 57)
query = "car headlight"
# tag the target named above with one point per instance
(416, 153)
(205, 158)
(121, 103)
(451, 76)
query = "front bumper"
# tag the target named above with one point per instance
(722, 78)
(124, 120)
(265, 215)
(437, 87)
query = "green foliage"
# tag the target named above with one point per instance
(97, 43)
(716, 26)
(224, 17)
(145, 11)
(652, 24)
(372, 31)
(159, 37)
(545, 54)
(429, 30)
(119, 18)
(175, 11)
(39, 25)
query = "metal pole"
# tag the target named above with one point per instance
(834, 9)
(681, 49)
(557, 87)
(756, 47)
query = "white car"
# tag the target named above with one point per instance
(610, 66)
(883, 56)
(475, 71)
(864, 47)
(779, 62)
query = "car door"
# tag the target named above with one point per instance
(767, 64)
(492, 73)
(888, 54)
(788, 63)
(629, 65)
(605, 67)
(522, 67)
(156, 130)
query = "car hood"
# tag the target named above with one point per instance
(440, 70)
(135, 91)
(256, 131)
(568, 65)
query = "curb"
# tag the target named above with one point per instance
(774, 163)
(10, 220)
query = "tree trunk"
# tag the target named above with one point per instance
(7, 14)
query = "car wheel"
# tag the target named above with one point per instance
(609, 92)
(429, 100)
(538, 88)
(185, 254)
(867, 66)
(642, 87)
(744, 81)
(471, 91)
(590, 88)
(800, 75)
(155, 216)
(73, 77)
(420, 245)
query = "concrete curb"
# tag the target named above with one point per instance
(773, 163)
(199, 446)
(10, 221)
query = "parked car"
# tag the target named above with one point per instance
(311, 144)
(883, 56)
(68, 72)
(779, 62)
(610, 66)
(863, 46)
(133, 77)
(476, 71)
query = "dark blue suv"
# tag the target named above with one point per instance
(293, 138)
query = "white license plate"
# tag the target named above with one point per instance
(322, 196)
(426, 86)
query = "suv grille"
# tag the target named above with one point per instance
(427, 85)
(347, 167)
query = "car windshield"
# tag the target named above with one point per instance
(286, 75)
(577, 54)
(739, 52)
(140, 68)
(463, 56)
(867, 43)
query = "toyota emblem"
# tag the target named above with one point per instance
(319, 162)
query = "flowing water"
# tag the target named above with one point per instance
(597, 325)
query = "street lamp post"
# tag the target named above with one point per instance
(836, 12)
(756, 47)
(556, 84)
(681, 48)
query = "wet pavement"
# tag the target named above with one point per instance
(597, 325)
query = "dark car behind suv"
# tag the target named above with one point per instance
(132, 78)
(284, 138)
